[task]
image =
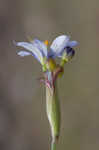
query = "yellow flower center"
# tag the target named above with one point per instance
(51, 64)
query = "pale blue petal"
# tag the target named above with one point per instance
(25, 45)
(24, 53)
(36, 52)
(72, 43)
(59, 44)
(39, 44)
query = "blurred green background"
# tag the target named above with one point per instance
(23, 121)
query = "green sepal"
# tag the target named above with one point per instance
(53, 111)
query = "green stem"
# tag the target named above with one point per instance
(53, 145)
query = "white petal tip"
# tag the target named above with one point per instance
(23, 53)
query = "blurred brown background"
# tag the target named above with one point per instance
(23, 121)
